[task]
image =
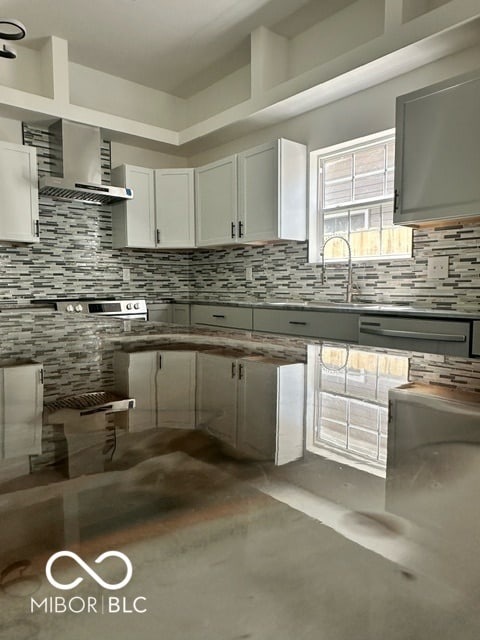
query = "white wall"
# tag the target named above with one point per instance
(126, 154)
(10, 130)
(358, 115)
(221, 95)
(104, 92)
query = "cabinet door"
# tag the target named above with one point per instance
(133, 221)
(258, 193)
(437, 160)
(272, 198)
(175, 382)
(18, 193)
(216, 202)
(175, 208)
(21, 405)
(181, 314)
(135, 378)
(217, 396)
(257, 409)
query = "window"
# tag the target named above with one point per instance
(352, 197)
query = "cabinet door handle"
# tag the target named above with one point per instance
(240, 229)
(217, 315)
(297, 322)
(159, 360)
(240, 371)
(234, 367)
(158, 236)
(233, 230)
(37, 229)
(395, 201)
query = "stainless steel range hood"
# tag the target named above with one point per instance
(76, 172)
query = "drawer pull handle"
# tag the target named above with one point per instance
(217, 315)
(297, 322)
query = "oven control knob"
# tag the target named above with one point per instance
(129, 306)
(69, 308)
(78, 308)
(136, 305)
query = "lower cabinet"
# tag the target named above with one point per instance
(163, 385)
(254, 405)
(21, 409)
(315, 324)
(222, 316)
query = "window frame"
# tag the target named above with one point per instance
(316, 219)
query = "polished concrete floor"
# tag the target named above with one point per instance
(226, 548)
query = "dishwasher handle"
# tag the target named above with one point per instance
(415, 335)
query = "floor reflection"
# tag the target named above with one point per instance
(235, 526)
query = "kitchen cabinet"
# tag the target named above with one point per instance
(21, 409)
(163, 385)
(216, 202)
(133, 221)
(255, 405)
(18, 194)
(476, 339)
(175, 208)
(161, 213)
(316, 324)
(222, 316)
(272, 192)
(181, 314)
(257, 196)
(437, 161)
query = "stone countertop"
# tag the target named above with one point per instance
(364, 308)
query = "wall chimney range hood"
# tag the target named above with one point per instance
(76, 172)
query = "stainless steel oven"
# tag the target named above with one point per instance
(134, 309)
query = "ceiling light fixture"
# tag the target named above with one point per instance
(11, 29)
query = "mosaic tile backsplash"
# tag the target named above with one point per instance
(283, 271)
(75, 258)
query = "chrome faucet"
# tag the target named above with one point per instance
(352, 289)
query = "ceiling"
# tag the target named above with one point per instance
(178, 46)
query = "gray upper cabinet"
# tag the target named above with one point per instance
(437, 164)
(18, 193)
(257, 196)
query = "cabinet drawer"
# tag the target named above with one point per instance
(318, 324)
(220, 316)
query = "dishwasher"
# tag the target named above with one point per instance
(427, 335)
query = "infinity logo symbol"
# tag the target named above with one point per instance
(87, 569)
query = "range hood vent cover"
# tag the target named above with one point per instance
(76, 172)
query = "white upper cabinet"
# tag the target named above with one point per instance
(437, 164)
(216, 202)
(272, 192)
(175, 208)
(257, 196)
(18, 193)
(133, 221)
(160, 215)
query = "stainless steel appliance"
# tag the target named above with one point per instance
(76, 172)
(135, 309)
(447, 337)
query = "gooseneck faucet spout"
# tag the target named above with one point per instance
(351, 288)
